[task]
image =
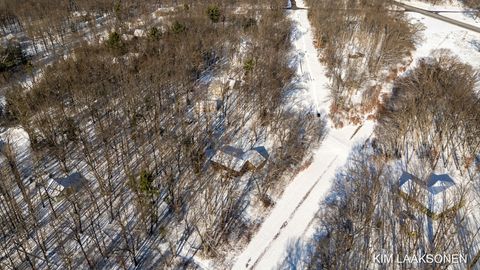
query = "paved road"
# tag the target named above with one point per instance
(434, 14)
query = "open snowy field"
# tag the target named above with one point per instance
(437, 34)
(453, 10)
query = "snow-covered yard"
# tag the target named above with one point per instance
(454, 10)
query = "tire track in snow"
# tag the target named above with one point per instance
(290, 217)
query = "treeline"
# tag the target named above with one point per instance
(45, 28)
(362, 43)
(433, 113)
(471, 4)
(17, 16)
(122, 113)
(474, 4)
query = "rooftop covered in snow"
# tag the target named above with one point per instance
(73, 182)
(234, 159)
(436, 194)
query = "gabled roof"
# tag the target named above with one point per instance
(256, 156)
(235, 159)
(435, 194)
(439, 183)
(58, 185)
(405, 177)
(230, 157)
(411, 187)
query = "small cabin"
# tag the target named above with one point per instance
(206, 107)
(237, 162)
(67, 185)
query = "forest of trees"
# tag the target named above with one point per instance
(362, 43)
(112, 90)
(434, 113)
(365, 216)
(430, 121)
(121, 113)
(47, 30)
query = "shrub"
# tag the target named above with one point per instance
(11, 56)
(114, 41)
(249, 65)
(154, 33)
(178, 28)
(214, 13)
(146, 181)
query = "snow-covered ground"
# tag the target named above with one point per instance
(293, 213)
(454, 10)
(465, 44)
(437, 34)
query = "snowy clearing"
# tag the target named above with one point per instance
(437, 34)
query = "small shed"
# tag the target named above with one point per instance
(206, 106)
(70, 184)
